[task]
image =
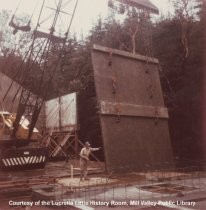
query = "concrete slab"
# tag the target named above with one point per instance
(93, 181)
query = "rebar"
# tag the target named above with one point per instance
(181, 180)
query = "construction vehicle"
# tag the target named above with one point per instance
(20, 146)
(19, 152)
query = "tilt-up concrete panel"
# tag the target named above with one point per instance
(133, 117)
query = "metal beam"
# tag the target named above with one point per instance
(110, 108)
(141, 4)
(126, 54)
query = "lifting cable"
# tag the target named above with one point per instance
(39, 102)
(148, 48)
(62, 49)
(38, 24)
(25, 28)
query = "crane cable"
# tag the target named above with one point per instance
(25, 28)
(18, 5)
(39, 102)
(148, 45)
(61, 51)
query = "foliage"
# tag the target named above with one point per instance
(182, 78)
(10, 43)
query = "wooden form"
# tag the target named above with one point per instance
(62, 144)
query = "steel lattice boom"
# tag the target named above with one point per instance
(45, 55)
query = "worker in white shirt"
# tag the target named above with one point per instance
(84, 158)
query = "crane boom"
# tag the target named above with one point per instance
(30, 104)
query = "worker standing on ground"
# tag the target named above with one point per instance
(84, 158)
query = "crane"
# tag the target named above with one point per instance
(42, 57)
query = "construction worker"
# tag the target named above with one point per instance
(84, 158)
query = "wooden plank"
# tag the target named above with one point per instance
(110, 108)
(126, 54)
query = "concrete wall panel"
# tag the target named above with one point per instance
(138, 138)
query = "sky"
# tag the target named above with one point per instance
(86, 14)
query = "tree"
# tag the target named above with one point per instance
(12, 47)
(178, 43)
(9, 43)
